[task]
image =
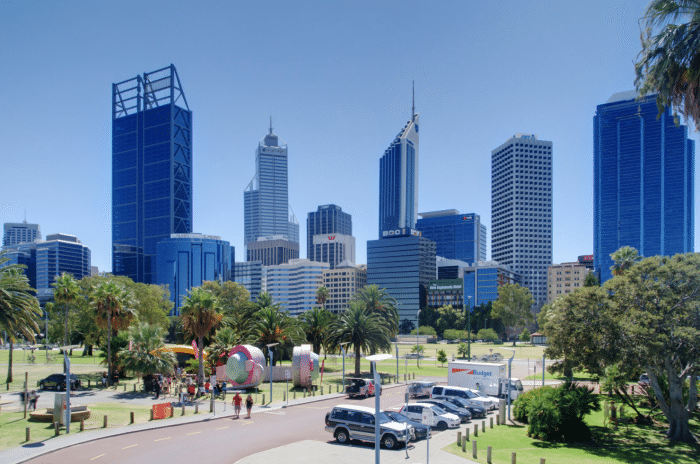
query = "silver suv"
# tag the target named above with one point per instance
(349, 422)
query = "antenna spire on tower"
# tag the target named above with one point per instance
(413, 110)
(270, 123)
(25, 215)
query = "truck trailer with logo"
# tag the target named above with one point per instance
(487, 378)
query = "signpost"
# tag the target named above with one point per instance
(67, 361)
(428, 419)
(287, 376)
(373, 359)
(212, 383)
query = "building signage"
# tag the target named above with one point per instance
(451, 284)
(586, 258)
(331, 238)
(467, 218)
(402, 232)
(472, 372)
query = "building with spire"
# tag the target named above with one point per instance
(151, 170)
(266, 199)
(20, 232)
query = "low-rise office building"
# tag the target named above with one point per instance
(343, 283)
(565, 278)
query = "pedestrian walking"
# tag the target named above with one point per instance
(33, 397)
(237, 400)
(156, 387)
(249, 404)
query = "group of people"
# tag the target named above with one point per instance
(161, 385)
(236, 402)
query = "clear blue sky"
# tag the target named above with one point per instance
(336, 78)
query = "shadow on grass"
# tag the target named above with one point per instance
(133, 395)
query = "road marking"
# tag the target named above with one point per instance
(161, 439)
(130, 446)
(220, 428)
(277, 413)
(194, 433)
(246, 423)
(97, 456)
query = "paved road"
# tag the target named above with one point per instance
(222, 440)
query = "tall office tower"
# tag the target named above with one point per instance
(457, 236)
(25, 254)
(20, 232)
(521, 210)
(266, 199)
(329, 236)
(398, 180)
(643, 183)
(151, 169)
(294, 284)
(59, 253)
(272, 251)
(187, 260)
(251, 275)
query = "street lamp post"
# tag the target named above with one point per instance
(269, 350)
(417, 332)
(373, 359)
(342, 347)
(469, 329)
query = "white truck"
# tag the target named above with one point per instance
(487, 378)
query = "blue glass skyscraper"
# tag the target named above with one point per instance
(151, 169)
(457, 236)
(398, 181)
(643, 181)
(266, 199)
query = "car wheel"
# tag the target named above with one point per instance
(442, 425)
(62, 387)
(389, 441)
(341, 435)
(42, 386)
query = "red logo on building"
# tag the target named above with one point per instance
(331, 237)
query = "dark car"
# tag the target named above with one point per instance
(349, 422)
(463, 413)
(477, 412)
(360, 387)
(421, 430)
(58, 382)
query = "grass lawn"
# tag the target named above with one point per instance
(633, 444)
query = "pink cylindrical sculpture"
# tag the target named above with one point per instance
(305, 367)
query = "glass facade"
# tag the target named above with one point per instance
(329, 236)
(16, 233)
(481, 282)
(521, 210)
(266, 199)
(294, 284)
(187, 260)
(57, 255)
(398, 180)
(403, 266)
(151, 170)
(644, 175)
(457, 236)
(24, 254)
(250, 274)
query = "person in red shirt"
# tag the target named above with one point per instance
(237, 400)
(206, 387)
(190, 392)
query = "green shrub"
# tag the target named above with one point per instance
(487, 334)
(544, 416)
(425, 330)
(522, 404)
(454, 334)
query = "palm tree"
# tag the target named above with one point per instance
(224, 341)
(273, 324)
(322, 296)
(376, 300)
(146, 356)
(200, 314)
(316, 322)
(624, 258)
(19, 310)
(363, 329)
(112, 302)
(66, 290)
(669, 63)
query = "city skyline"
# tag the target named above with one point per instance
(541, 80)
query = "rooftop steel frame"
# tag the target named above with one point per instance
(145, 92)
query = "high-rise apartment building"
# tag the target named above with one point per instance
(187, 260)
(643, 181)
(398, 181)
(151, 169)
(58, 254)
(252, 275)
(295, 283)
(521, 210)
(343, 282)
(456, 236)
(329, 236)
(20, 232)
(564, 278)
(266, 199)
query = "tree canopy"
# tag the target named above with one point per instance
(514, 306)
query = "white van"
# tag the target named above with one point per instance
(420, 389)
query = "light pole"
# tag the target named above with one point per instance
(469, 329)
(417, 332)
(510, 361)
(377, 388)
(46, 334)
(342, 347)
(269, 350)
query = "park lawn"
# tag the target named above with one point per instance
(638, 444)
(558, 376)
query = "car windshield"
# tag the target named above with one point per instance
(438, 410)
(519, 385)
(396, 416)
(471, 394)
(384, 418)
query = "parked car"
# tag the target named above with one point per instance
(477, 412)
(420, 389)
(644, 380)
(440, 419)
(58, 382)
(493, 402)
(440, 392)
(463, 414)
(348, 422)
(360, 387)
(421, 431)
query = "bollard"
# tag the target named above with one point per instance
(151, 414)
(295, 394)
(284, 396)
(183, 409)
(263, 398)
(459, 437)
(322, 389)
(414, 376)
(404, 377)
(483, 426)
(56, 429)
(512, 458)
(196, 408)
(88, 383)
(304, 393)
(476, 430)
(464, 444)
(82, 424)
(27, 433)
(466, 433)
(491, 422)
(474, 449)
(134, 387)
(337, 388)
(488, 454)
(124, 387)
(498, 419)
(104, 424)
(313, 392)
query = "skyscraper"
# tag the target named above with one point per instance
(398, 180)
(521, 210)
(151, 169)
(643, 186)
(457, 236)
(59, 253)
(266, 199)
(329, 236)
(20, 232)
